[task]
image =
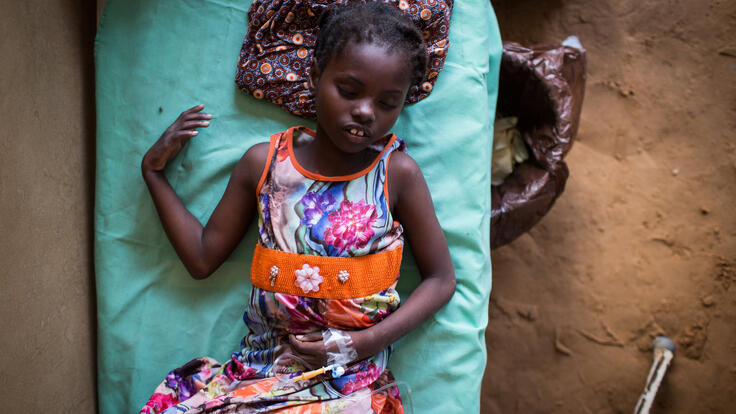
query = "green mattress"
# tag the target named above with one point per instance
(156, 58)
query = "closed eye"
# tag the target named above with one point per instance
(346, 93)
(388, 104)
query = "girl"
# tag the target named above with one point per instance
(333, 208)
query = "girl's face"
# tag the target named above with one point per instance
(359, 95)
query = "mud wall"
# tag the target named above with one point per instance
(643, 240)
(46, 191)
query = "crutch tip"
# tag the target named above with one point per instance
(663, 342)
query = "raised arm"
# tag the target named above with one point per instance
(411, 204)
(202, 249)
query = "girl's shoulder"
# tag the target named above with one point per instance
(402, 165)
(250, 167)
(258, 153)
(403, 173)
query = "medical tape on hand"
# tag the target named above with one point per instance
(344, 344)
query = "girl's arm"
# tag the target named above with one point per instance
(202, 249)
(412, 206)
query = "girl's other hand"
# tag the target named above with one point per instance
(174, 138)
(310, 349)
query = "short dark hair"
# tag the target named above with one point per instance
(371, 22)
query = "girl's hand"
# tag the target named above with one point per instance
(174, 138)
(311, 348)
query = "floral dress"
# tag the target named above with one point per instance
(306, 215)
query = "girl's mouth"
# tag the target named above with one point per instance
(357, 132)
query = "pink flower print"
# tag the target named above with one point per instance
(308, 278)
(351, 225)
(159, 402)
(362, 378)
(237, 371)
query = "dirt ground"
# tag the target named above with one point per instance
(643, 241)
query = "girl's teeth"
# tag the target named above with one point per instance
(354, 131)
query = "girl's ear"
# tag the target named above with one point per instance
(313, 78)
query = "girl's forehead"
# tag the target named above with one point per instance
(371, 59)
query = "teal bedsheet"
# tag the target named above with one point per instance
(157, 58)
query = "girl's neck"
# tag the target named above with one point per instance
(321, 156)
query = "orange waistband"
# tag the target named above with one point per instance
(324, 277)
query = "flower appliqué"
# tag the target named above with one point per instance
(273, 273)
(308, 278)
(343, 276)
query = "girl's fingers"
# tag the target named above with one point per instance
(185, 134)
(194, 109)
(194, 124)
(310, 337)
(304, 347)
(295, 344)
(310, 353)
(195, 116)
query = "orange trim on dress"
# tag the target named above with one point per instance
(271, 149)
(342, 277)
(314, 176)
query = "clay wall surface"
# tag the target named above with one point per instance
(643, 240)
(46, 200)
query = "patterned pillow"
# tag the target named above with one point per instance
(277, 51)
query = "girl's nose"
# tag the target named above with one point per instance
(363, 111)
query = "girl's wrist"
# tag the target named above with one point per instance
(146, 166)
(150, 173)
(366, 343)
